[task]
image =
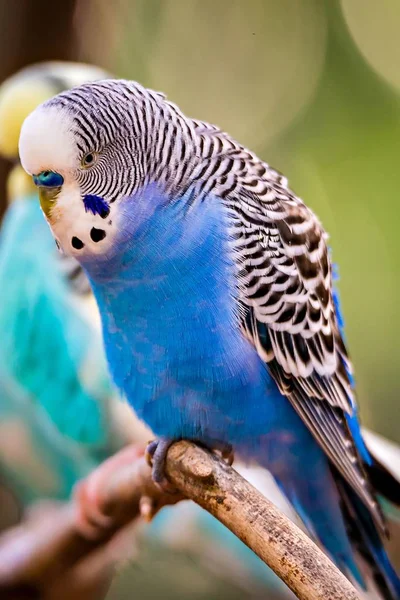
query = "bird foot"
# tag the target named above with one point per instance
(91, 520)
(156, 453)
(225, 450)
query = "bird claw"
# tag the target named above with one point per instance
(228, 455)
(225, 449)
(150, 451)
(156, 453)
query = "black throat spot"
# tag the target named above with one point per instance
(97, 234)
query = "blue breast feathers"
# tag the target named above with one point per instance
(168, 299)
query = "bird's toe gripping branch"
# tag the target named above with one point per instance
(225, 450)
(156, 453)
(93, 520)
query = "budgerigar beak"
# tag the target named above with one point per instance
(49, 184)
(48, 198)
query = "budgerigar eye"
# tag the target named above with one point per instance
(88, 160)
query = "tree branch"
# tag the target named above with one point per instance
(37, 553)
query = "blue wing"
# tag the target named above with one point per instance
(45, 340)
(291, 314)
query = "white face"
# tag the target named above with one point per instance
(47, 144)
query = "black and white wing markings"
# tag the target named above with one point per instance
(286, 305)
(286, 279)
(289, 314)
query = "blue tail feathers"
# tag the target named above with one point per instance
(338, 519)
(366, 542)
(317, 503)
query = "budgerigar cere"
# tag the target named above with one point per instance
(214, 285)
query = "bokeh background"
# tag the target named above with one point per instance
(313, 86)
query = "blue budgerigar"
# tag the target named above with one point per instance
(214, 285)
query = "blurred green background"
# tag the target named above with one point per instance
(311, 85)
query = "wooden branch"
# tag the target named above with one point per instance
(37, 553)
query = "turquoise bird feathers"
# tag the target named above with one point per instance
(60, 415)
(215, 290)
(53, 373)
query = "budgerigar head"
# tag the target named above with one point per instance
(90, 148)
